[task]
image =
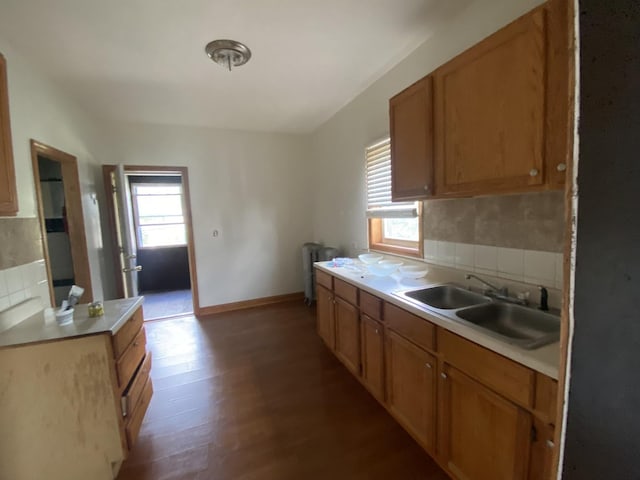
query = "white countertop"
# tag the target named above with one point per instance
(544, 360)
(40, 325)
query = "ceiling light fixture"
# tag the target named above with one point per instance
(228, 53)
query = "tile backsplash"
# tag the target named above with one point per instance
(529, 266)
(22, 282)
(530, 221)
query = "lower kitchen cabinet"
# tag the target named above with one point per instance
(482, 436)
(372, 351)
(325, 316)
(481, 415)
(542, 450)
(347, 333)
(411, 388)
(72, 406)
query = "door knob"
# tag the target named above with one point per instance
(428, 365)
(444, 375)
(561, 167)
(533, 172)
(426, 188)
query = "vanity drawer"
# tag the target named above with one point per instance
(413, 328)
(346, 291)
(132, 426)
(127, 364)
(324, 279)
(370, 305)
(504, 376)
(134, 392)
(125, 334)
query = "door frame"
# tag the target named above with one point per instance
(107, 171)
(75, 216)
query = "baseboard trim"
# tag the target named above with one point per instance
(243, 305)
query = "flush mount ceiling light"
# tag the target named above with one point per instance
(228, 53)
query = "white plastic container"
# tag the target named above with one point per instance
(370, 258)
(413, 271)
(64, 317)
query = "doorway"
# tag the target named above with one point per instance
(152, 237)
(57, 186)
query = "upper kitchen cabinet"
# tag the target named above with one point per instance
(8, 193)
(411, 129)
(502, 109)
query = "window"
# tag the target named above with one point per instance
(394, 227)
(158, 215)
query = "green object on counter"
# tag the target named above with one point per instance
(96, 309)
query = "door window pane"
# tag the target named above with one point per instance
(158, 215)
(162, 235)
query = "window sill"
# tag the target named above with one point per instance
(397, 250)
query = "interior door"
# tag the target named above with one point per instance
(126, 234)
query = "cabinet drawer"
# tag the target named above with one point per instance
(134, 392)
(413, 328)
(324, 279)
(370, 305)
(130, 359)
(504, 376)
(124, 336)
(132, 427)
(346, 291)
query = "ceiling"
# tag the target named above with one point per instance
(144, 60)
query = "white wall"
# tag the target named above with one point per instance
(338, 146)
(254, 188)
(40, 111)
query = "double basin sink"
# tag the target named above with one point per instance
(519, 325)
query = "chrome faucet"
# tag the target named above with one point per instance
(503, 291)
(500, 293)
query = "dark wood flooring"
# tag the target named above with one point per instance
(255, 395)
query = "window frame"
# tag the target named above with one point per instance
(378, 242)
(375, 226)
(136, 215)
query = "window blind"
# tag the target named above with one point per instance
(379, 203)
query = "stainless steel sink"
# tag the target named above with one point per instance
(523, 326)
(446, 297)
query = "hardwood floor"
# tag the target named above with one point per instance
(167, 304)
(255, 395)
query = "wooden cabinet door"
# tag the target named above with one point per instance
(482, 436)
(411, 130)
(372, 346)
(8, 192)
(490, 112)
(542, 450)
(411, 388)
(325, 316)
(348, 335)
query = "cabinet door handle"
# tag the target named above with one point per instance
(550, 444)
(428, 365)
(561, 167)
(377, 332)
(426, 188)
(533, 172)
(444, 375)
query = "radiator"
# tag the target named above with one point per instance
(314, 252)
